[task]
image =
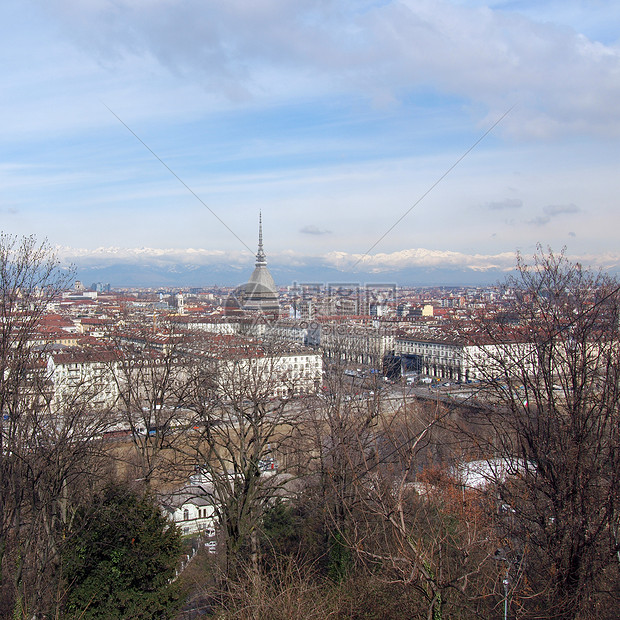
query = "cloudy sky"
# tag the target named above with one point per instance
(350, 124)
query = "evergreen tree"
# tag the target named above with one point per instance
(121, 559)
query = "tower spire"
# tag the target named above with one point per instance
(260, 292)
(260, 255)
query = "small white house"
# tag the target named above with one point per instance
(191, 509)
(481, 474)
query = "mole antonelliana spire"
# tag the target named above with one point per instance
(260, 255)
(260, 292)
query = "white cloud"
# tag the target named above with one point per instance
(561, 80)
(553, 211)
(421, 257)
(310, 229)
(265, 104)
(418, 257)
(347, 263)
(106, 255)
(509, 203)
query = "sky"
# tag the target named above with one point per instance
(377, 136)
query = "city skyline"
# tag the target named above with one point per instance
(333, 120)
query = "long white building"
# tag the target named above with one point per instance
(461, 360)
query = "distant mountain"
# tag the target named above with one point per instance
(127, 274)
(153, 267)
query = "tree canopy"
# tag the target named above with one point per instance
(121, 560)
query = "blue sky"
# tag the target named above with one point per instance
(332, 117)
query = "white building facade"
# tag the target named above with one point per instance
(191, 509)
(463, 360)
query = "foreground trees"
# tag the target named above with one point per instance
(239, 427)
(556, 434)
(120, 560)
(540, 536)
(41, 455)
(52, 458)
(420, 530)
(548, 521)
(150, 377)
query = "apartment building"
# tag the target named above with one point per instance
(461, 359)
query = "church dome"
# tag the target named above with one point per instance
(260, 294)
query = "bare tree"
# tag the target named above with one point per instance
(553, 372)
(45, 441)
(403, 532)
(241, 419)
(150, 373)
(344, 428)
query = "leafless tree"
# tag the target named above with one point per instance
(553, 373)
(46, 442)
(423, 535)
(344, 430)
(150, 371)
(241, 419)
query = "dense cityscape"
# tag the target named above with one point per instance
(309, 310)
(453, 449)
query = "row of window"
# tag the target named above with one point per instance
(202, 514)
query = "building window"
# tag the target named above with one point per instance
(185, 514)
